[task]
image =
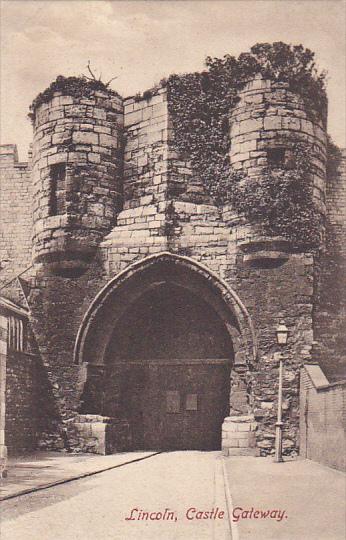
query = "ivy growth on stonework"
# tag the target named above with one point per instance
(199, 105)
(334, 157)
(281, 201)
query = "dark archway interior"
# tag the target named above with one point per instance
(121, 300)
(169, 322)
(167, 371)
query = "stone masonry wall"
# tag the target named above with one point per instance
(330, 305)
(323, 421)
(16, 214)
(57, 306)
(269, 117)
(146, 152)
(141, 226)
(77, 175)
(212, 236)
(22, 402)
(269, 295)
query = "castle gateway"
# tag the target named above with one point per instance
(149, 300)
(158, 346)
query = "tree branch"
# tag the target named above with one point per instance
(111, 80)
(91, 73)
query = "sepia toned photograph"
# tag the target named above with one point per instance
(173, 270)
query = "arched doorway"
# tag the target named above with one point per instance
(167, 371)
(159, 342)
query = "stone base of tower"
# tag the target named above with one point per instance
(238, 436)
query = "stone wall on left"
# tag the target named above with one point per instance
(16, 214)
(22, 398)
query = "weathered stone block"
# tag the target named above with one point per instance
(132, 117)
(230, 443)
(243, 443)
(273, 122)
(244, 427)
(290, 123)
(85, 137)
(230, 427)
(253, 124)
(108, 140)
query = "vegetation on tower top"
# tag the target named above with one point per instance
(70, 86)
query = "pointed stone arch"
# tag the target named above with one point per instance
(125, 288)
(121, 392)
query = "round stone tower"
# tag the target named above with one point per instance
(77, 174)
(268, 120)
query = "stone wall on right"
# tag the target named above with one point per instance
(330, 283)
(322, 418)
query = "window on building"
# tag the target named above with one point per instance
(280, 157)
(276, 157)
(16, 334)
(57, 201)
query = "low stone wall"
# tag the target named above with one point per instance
(96, 434)
(322, 418)
(22, 410)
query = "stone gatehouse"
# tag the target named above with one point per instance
(150, 310)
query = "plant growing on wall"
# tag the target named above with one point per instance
(70, 86)
(334, 157)
(281, 201)
(199, 104)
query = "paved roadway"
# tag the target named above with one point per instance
(166, 487)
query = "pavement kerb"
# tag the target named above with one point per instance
(72, 478)
(233, 525)
(324, 466)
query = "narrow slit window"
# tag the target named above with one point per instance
(57, 202)
(16, 339)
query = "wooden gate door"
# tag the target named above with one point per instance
(184, 404)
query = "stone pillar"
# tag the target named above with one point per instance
(238, 429)
(238, 436)
(3, 355)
